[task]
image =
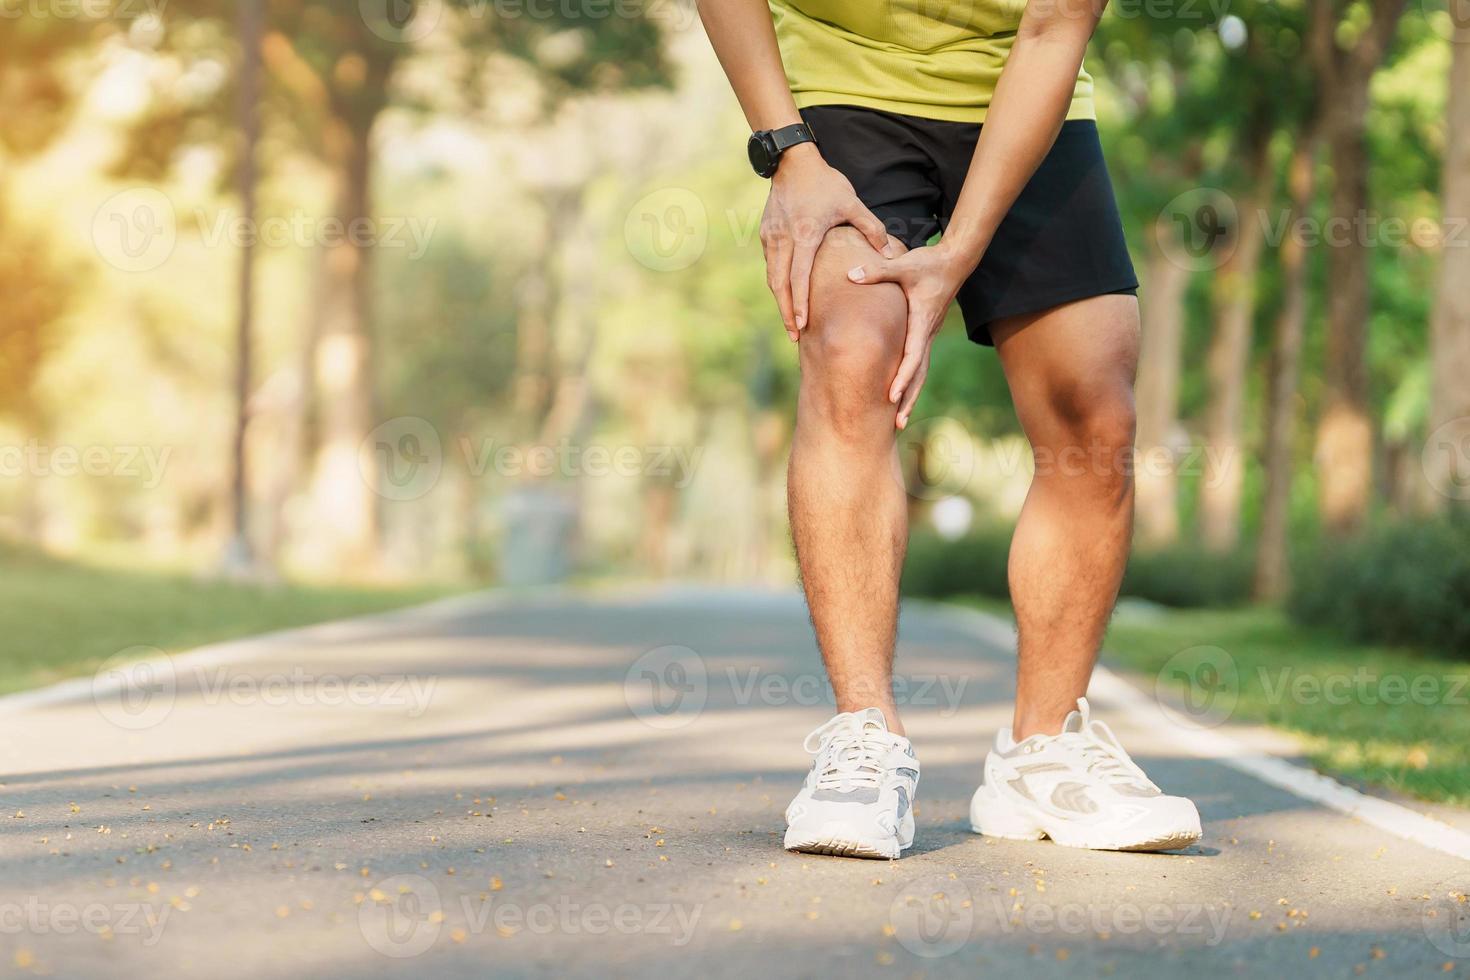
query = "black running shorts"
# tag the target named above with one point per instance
(1062, 240)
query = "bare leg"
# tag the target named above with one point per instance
(844, 492)
(1071, 371)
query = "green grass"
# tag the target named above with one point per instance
(1394, 717)
(62, 619)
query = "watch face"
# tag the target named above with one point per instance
(763, 156)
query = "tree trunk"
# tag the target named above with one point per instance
(1344, 451)
(1273, 558)
(1446, 466)
(1345, 432)
(240, 555)
(1228, 360)
(345, 484)
(1165, 284)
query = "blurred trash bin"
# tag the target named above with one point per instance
(540, 531)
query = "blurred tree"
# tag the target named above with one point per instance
(1347, 41)
(1272, 91)
(1450, 324)
(239, 555)
(331, 68)
(1273, 540)
(1228, 360)
(1165, 69)
(39, 97)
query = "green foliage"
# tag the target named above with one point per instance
(975, 565)
(448, 348)
(1186, 576)
(1403, 582)
(1347, 701)
(63, 619)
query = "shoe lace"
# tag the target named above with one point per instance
(850, 753)
(1105, 756)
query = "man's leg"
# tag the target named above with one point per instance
(1071, 371)
(844, 491)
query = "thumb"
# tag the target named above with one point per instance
(877, 270)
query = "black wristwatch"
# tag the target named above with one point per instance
(765, 147)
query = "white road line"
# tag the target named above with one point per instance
(1175, 729)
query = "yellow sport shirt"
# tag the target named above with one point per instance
(936, 59)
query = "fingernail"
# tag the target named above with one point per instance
(888, 251)
(801, 321)
(893, 396)
(856, 275)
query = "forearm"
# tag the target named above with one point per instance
(744, 40)
(1026, 112)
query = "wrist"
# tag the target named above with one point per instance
(959, 258)
(966, 241)
(799, 158)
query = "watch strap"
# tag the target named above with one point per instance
(788, 136)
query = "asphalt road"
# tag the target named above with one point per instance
(593, 786)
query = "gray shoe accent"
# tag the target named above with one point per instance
(1019, 785)
(867, 795)
(910, 773)
(903, 801)
(1135, 789)
(1073, 796)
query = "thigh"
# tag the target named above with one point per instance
(1061, 241)
(881, 156)
(1066, 363)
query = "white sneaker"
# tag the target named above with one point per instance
(1080, 789)
(858, 799)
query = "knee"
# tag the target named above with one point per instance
(1097, 422)
(1111, 422)
(854, 337)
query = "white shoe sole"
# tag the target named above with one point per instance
(840, 839)
(993, 816)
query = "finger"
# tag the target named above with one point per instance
(803, 257)
(778, 278)
(913, 357)
(878, 270)
(866, 222)
(911, 394)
